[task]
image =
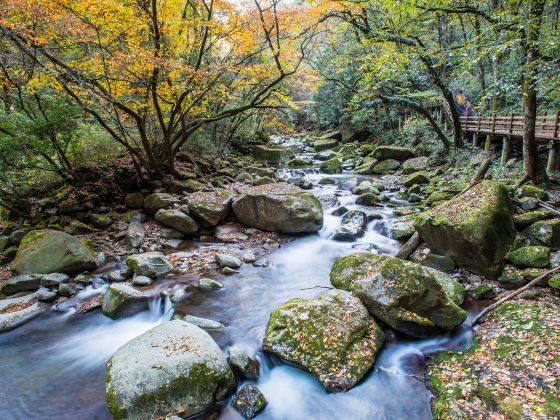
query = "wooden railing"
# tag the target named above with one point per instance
(547, 128)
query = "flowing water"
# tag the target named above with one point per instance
(54, 367)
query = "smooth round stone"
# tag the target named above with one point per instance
(142, 281)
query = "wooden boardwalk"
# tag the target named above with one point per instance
(510, 128)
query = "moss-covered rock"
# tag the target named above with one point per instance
(524, 220)
(353, 226)
(149, 264)
(402, 228)
(325, 144)
(475, 229)
(437, 197)
(406, 296)
(483, 291)
(554, 283)
(417, 178)
(511, 278)
(310, 334)
(532, 192)
(545, 233)
(385, 167)
(415, 165)
(530, 256)
(279, 208)
(175, 367)
(331, 166)
(393, 152)
(156, 201)
(368, 199)
(365, 168)
(122, 299)
(51, 251)
(299, 162)
(272, 154)
(210, 208)
(176, 219)
(249, 401)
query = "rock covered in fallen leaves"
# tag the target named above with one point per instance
(175, 367)
(212, 207)
(249, 401)
(332, 336)
(412, 299)
(150, 264)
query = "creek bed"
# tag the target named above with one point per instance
(54, 367)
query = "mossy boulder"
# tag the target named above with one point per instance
(353, 226)
(554, 283)
(511, 278)
(325, 144)
(474, 229)
(156, 201)
(532, 192)
(122, 299)
(545, 233)
(483, 291)
(530, 256)
(331, 166)
(149, 264)
(369, 199)
(249, 401)
(51, 251)
(272, 154)
(393, 152)
(299, 162)
(385, 167)
(402, 228)
(134, 201)
(524, 220)
(175, 367)
(365, 168)
(437, 197)
(413, 165)
(211, 208)
(406, 296)
(332, 336)
(178, 220)
(279, 207)
(417, 178)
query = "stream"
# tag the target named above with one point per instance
(54, 366)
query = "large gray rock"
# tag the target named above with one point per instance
(415, 165)
(393, 152)
(272, 154)
(134, 235)
(412, 299)
(279, 208)
(23, 283)
(149, 264)
(474, 229)
(210, 207)
(332, 336)
(353, 226)
(156, 201)
(241, 362)
(51, 251)
(175, 367)
(176, 219)
(15, 312)
(121, 299)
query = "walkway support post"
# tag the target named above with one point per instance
(475, 140)
(506, 149)
(552, 157)
(488, 144)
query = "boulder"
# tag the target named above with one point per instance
(532, 192)
(386, 167)
(22, 283)
(142, 281)
(211, 208)
(224, 260)
(15, 312)
(545, 233)
(272, 154)
(402, 228)
(325, 155)
(417, 178)
(134, 235)
(530, 256)
(248, 401)
(309, 333)
(51, 251)
(412, 299)
(438, 262)
(415, 165)
(242, 363)
(525, 220)
(366, 168)
(331, 166)
(370, 199)
(150, 264)
(156, 201)
(121, 299)
(175, 367)
(100, 221)
(207, 283)
(53, 280)
(325, 144)
(474, 229)
(178, 220)
(353, 226)
(393, 152)
(279, 208)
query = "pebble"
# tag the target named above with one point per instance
(142, 281)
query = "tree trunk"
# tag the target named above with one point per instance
(455, 118)
(534, 169)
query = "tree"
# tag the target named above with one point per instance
(153, 72)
